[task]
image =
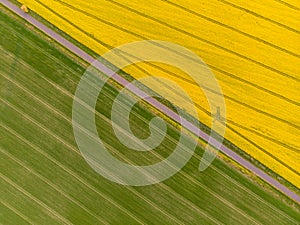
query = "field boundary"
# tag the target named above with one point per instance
(90, 59)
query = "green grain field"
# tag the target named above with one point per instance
(45, 180)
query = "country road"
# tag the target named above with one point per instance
(77, 51)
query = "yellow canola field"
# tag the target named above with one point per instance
(252, 47)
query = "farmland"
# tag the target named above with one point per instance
(45, 180)
(252, 50)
